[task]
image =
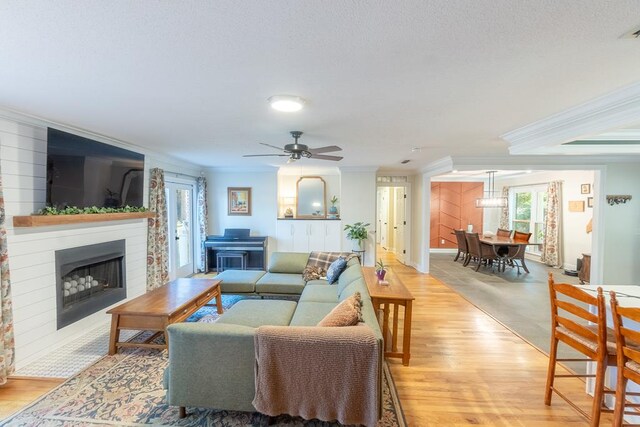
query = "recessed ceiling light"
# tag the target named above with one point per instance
(416, 149)
(455, 171)
(529, 171)
(286, 103)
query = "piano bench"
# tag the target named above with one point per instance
(223, 256)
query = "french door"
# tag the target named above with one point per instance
(181, 224)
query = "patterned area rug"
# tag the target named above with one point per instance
(126, 390)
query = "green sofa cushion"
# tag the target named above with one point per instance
(256, 313)
(239, 281)
(280, 283)
(349, 275)
(310, 313)
(353, 261)
(288, 262)
(319, 293)
(358, 285)
(319, 282)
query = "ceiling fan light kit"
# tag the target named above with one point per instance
(286, 103)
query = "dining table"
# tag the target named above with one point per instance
(497, 242)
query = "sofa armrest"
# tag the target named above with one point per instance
(211, 365)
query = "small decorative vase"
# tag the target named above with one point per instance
(381, 274)
(333, 210)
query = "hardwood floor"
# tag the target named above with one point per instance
(466, 368)
(19, 392)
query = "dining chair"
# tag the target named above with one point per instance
(628, 353)
(503, 233)
(462, 245)
(479, 251)
(584, 331)
(515, 255)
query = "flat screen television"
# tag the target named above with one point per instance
(82, 172)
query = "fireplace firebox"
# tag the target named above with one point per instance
(88, 279)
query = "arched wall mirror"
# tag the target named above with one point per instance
(310, 197)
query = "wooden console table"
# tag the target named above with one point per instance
(383, 297)
(157, 309)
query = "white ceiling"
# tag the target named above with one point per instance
(191, 78)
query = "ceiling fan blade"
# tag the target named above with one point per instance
(323, 157)
(266, 155)
(327, 149)
(272, 146)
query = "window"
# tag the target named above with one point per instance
(529, 211)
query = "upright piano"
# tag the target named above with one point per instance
(237, 239)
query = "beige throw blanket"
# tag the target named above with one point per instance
(315, 372)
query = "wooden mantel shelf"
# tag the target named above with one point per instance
(44, 220)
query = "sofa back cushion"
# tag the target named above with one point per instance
(349, 275)
(358, 285)
(288, 262)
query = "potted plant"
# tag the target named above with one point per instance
(358, 233)
(333, 210)
(381, 270)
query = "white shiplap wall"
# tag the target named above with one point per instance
(32, 250)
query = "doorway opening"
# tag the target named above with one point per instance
(393, 219)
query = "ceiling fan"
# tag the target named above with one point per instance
(296, 151)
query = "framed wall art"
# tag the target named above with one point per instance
(589, 202)
(239, 200)
(585, 189)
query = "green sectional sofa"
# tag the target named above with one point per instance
(212, 365)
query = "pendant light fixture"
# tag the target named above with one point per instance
(491, 199)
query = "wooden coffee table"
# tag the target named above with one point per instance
(157, 309)
(394, 294)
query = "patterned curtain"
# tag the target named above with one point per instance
(504, 212)
(7, 344)
(552, 245)
(157, 243)
(201, 199)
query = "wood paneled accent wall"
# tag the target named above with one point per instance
(453, 206)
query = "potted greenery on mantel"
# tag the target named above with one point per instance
(358, 233)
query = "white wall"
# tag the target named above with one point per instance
(358, 204)
(417, 252)
(32, 250)
(621, 226)
(264, 207)
(576, 240)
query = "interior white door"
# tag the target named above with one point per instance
(181, 224)
(384, 218)
(400, 223)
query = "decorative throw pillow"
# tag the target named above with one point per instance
(347, 313)
(335, 269)
(313, 273)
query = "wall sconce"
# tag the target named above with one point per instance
(616, 199)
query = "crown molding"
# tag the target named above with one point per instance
(243, 169)
(358, 169)
(438, 167)
(613, 110)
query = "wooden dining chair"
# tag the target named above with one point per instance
(515, 255)
(628, 353)
(462, 245)
(503, 233)
(480, 252)
(574, 325)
